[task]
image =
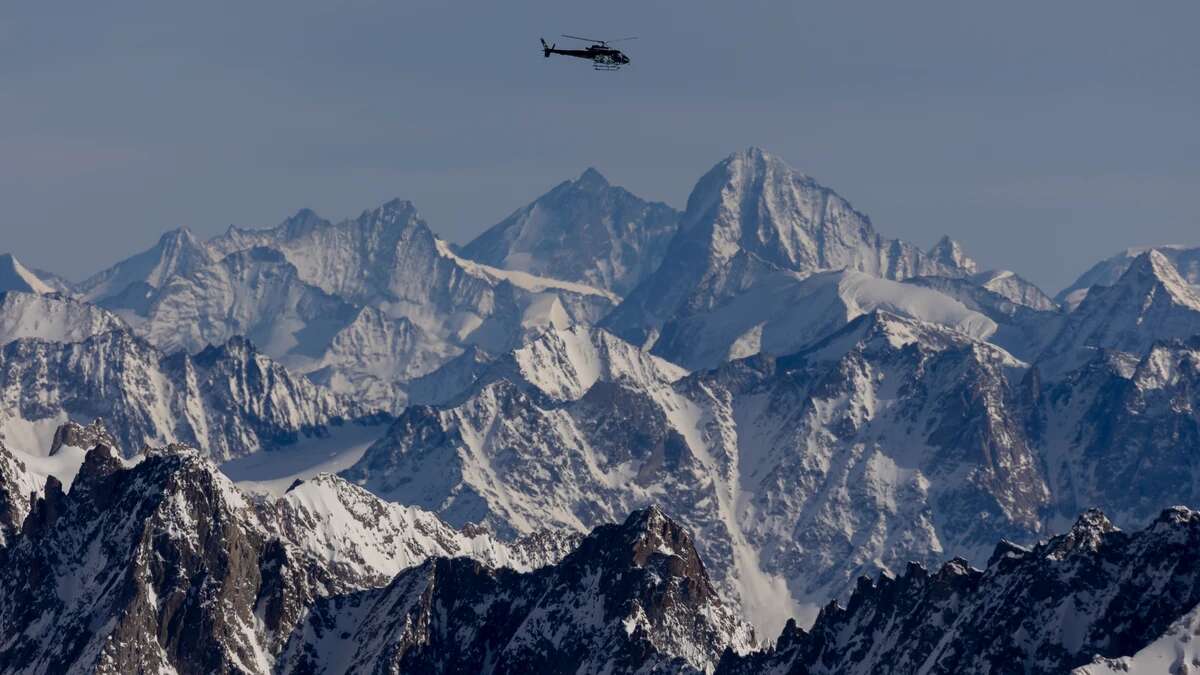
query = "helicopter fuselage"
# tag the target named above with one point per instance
(602, 56)
(591, 54)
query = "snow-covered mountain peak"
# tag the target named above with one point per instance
(303, 220)
(1185, 259)
(565, 362)
(395, 212)
(591, 179)
(177, 252)
(584, 230)
(951, 254)
(1151, 271)
(16, 277)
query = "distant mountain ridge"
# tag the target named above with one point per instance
(785, 400)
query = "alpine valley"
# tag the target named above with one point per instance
(753, 436)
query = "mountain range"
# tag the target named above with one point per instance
(754, 435)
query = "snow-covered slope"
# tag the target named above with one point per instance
(1016, 289)
(164, 566)
(16, 277)
(52, 317)
(565, 363)
(1176, 651)
(230, 399)
(177, 252)
(784, 311)
(1106, 272)
(584, 230)
(1021, 328)
(366, 538)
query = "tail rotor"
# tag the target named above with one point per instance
(546, 49)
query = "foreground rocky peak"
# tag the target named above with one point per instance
(630, 598)
(584, 230)
(164, 565)
(1094, 592)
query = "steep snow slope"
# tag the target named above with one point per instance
(584, 230)
(257, 293)
(1021, 329)
(784, 311)
(1176, 651)
(16, 277)
(1186, 261)
(1016, 289)
(408, 303)
(52, 317)
(565, 363)
(177, 252)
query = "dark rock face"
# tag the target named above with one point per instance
(166, 566)
(1093, 591)
(79, 436)
(14, 495)
(631, 598)
(1130, 432)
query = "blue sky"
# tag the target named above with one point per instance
(1042, 135)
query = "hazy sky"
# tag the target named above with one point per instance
(1044, 135)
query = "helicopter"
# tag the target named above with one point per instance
(599, 53)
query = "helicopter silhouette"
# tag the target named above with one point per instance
(599, 53)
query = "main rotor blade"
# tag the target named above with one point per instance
(576, 37)
(623, 39)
